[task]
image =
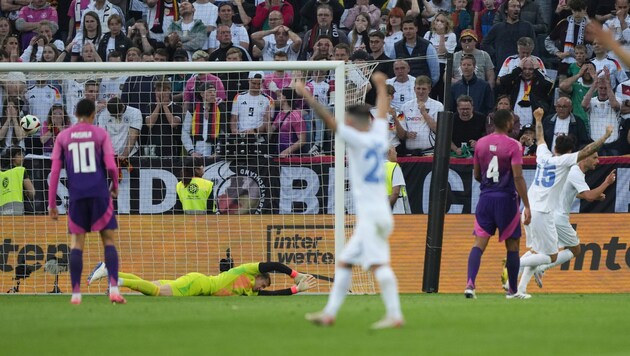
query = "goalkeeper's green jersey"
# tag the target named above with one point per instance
(237, 281)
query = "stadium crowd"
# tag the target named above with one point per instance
(517, 54)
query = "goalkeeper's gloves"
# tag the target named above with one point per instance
(306, 283)
(299, 277)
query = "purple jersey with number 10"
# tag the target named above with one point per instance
(83, 149)
(495, 155)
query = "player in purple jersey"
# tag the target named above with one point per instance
(498, 167)
(87, 154)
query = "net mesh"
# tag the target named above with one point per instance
(269, 159)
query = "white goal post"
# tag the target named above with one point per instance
(21, 229)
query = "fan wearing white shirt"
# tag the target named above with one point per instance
(420, 119)
(207, 12)
(603, 110)
(284, 40)
(619, 25)
(403, 83)
(601, 61)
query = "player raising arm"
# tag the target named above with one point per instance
(249, 279)
(498, 166)
(545, 195)
(368, 247)
(87, 154)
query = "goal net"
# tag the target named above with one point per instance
(276, 191)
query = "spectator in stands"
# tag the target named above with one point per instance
(224, 36)
(377, 50)
(289, 124)
(40, 98)
(4, 56)
(90, 32)
(468, 126)
(503, 103)
(567, 34)
(12, 46)
(196, 79)
(105, 11)
(11, 133)
(310, 17)
(484, 68)
(619, 25)
(56, 121)
(392, 118)
(239, 36)
(133, 55)
(358, 36)
(136, 92)
(46, 29)
(160, 15)
(530, 12)
(528, 89)
(324, 26)
(5, 28)
(527, 138)
(580, 52)
(484, 18)
(191, 32)
(235, 82)
(206, 124)
(393, 29)
(277, 80)
(361, 7)
(111, 86)
(114, 39)
(420, 119)
(260, 21)
(563, 122)
(207, 12)
(160, 55)
(603, 110)
(278, 39)
(35, 49)
(141, 37)
(243, 12)
(322, 88)
(577, 86)
(355, 78)
(73, 91)
(470, 85)
(49, 54)
(251, 111)
(403, 83)
(444, 40)
(16, 182)
(123, 124)
(147, 57)
(461, 18)
(323, 48)
(500, 42)
(162, 130)
(75, 16)
(412, 46)
(602, 60)
(525, 47)
(31, 16)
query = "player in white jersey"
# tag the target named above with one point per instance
(367, 147)
(545, 195)
(575, 186)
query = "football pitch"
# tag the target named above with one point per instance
(439, 324)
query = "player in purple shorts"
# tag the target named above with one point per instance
(498, 166)
(87, 154)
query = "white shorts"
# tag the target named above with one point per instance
(567, 237)
(541, 234)
(369, 244)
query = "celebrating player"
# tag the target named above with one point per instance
(87, 154)
(367, 148)
(545, 195)
(575, 186)
(249, 279)
(498, 166)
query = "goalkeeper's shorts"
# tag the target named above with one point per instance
(190, 285)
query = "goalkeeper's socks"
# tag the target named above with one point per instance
(343, 279)
(111, 261)
(389, 291)
(140, 285)
(126, 276)
(76, 268)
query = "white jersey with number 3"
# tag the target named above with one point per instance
(366, 158)
(545, 193)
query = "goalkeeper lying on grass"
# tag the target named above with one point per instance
(249, 279)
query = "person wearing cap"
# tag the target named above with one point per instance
(500, 42)
(206, 123)
(191, 31)
(224, 37)
(484, 68)
(251, 110)
(527, 138)
(56, 121)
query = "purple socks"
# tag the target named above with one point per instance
(111, 261)
(512, 264)
(474, 261)
(76, 268)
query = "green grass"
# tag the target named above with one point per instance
(436, 325)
